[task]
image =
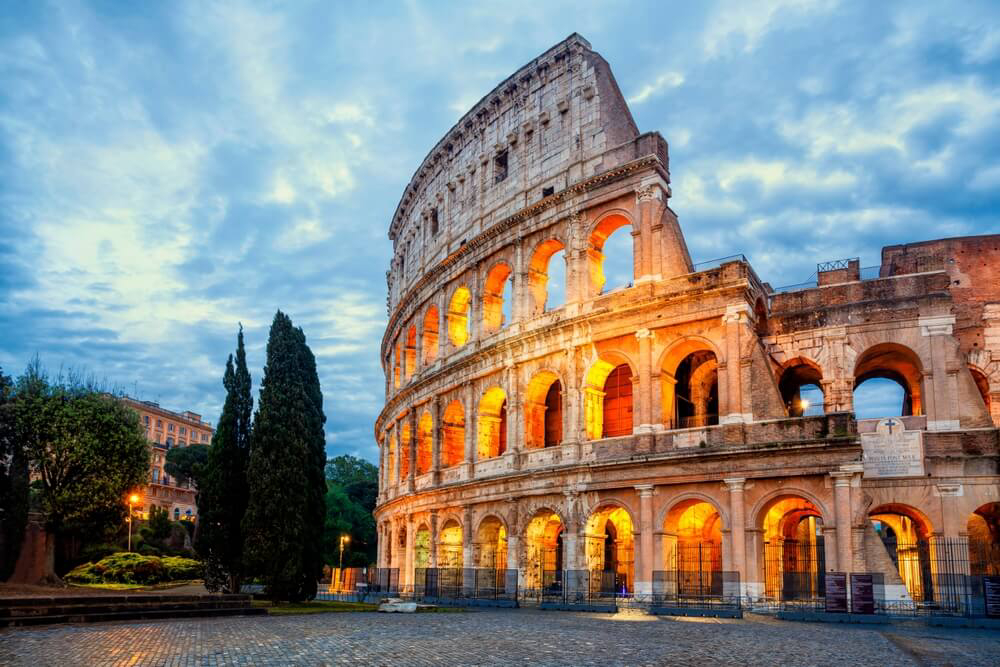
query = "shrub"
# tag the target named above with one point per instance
(95, 552)
(149, 550)
(133, 568)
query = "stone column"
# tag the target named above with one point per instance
(515, 416)
(411, 449)
(737, 527)
(572, 419)
(381, 470)
(952, 524)
(406, 578)
(644, 576)
(436, 434)
(476, 306)
(433, 556)
(734, 318)
(467, 538)
(576, 268)
(418, 363)
(443, 340)
(842, 513)
(646, 204)
(645, 338)
(940, 394)
(471, 430)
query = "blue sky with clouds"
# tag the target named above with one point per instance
(168, 170)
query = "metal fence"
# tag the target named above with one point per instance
(454, 583)
(580, 587)
(696, 588)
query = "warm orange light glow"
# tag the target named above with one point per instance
(134, 498)
(458, 317)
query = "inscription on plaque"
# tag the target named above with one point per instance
(892, 451)
(991, 591)
(862, 594)
(836, 592)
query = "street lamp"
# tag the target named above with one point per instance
(340, 569)
(132, 500)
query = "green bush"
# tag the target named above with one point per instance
(95, 552)
(149, 550)
(133, 568)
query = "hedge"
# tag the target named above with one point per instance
(133, 568)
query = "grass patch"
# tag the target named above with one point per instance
(113, 586)
(312, 607)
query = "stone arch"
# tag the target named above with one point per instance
(895, 362)
(983, 528)
(458, 316)
(425, 444)
(404, 449)
(450, 542)
(490, 543)
(794, 375)
(543, 407)
(392, 459)
(982, 382)
(609, 545)
(410, 352)
(596, 402)
(494, 286)
(761, 324)
(762, 503)
(422, 546)
(692, 497)
(689, 383)
(543, 549)
(793, 546)
(538, 273)
(492, 424)
(692, 544)
(397, 365)
(606, 225)
(453, 434)
(432, 319)
(906, 533)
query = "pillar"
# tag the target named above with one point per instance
(471, 429)
(406, 577)
(737, 528)
(953, 524)
(645, 338)
(940, 393)
(644, 571)
(467, 537)
(434, 539)
(842, 514)
(515, 415)
(411, 449)
(576, 268)
(735, 316)
(436, 434)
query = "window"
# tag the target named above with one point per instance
(170, 441)
(183, 430)
(204, 437)
(548, 191)
(177, 514)
(500, 167)
(434, 221)
(170, 428)
(145, 420)
(159, 423)
(156, 475)
(166, 479)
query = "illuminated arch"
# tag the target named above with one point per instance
(404, 451)
(450, 544)
(453, 435)
(610, 547)
(538, 273)
(692, 545)
(689, 383)
(425, 446)
(392, 459)
(490, 547)
(983, 528)
(607, 225)
(597, 404)
(906, 533)
(422, 547)
(895, 362)
(458, 316)
(543, 547)
(492, 424)
(493, 297)
(430, 342)
(794, 547)
(796, 374)
(543, 411)
(410, 355)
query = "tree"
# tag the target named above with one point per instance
(352, 489)
(285, 518)
(14, 491)
(186, 464)
(86, 448)
(223, 491)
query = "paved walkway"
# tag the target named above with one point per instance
(518, 638)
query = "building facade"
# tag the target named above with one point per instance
(164, 431)
(659, 431)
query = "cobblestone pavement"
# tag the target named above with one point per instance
(493, 638)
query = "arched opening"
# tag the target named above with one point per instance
(692, 548)
(887, 382)
(491, 545)
(410, 355)
(794, 549)
(543, 546)
(458, 316)
(397, 371)
(492, 424)
(391, 460)
(422, 548)
(425, 445)
(696, 390)
(906, 536)
(611, 255)
(404, 451)
(453, 435)
(610, 548)
(543, 411)
(983, 385)
(801, 388)
(547, 277)
(984, 540)
(496, 297)
(760, 318)
(608, 400)
(450, 545)
(430, 328)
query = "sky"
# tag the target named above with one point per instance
(171, 170)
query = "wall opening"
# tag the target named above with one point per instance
(696, 390)
(425, 443)
(610, 549)
(618, 402)
(906, 536)
(392, 460)
(983, 385)
(543, 545)
(490, 548)
(453, 435)
(404, 451)
(450, 545)
(611, 255)
(422, 547)
(458, 316)
(547, 277)
(492, 424)
(875, 374)
(543, 411)
(692, 548)
(410, 355)
(984, 540)
(794, 551)
(801, 389)
(430, 329)
(497, 292)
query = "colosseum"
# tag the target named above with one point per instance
(657, 437)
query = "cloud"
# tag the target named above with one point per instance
(662, 82)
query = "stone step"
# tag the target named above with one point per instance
(134, 614)
(101, 607)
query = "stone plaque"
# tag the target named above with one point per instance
(836, 592)
(892, 451)
(991, 593)
(862, 594)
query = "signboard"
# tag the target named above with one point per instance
(892, 451)
(862, 594)
(991, 592)
(836, 592)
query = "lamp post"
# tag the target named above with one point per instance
(132, 500)
(340, 568)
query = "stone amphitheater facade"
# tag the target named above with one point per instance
(660, 427)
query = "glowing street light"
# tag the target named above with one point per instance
(804, 404)
(132, 500)
(343, 539)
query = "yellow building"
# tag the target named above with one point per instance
(165, 430)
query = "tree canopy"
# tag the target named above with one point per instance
(185, 464)
(13, 482)
(352, 489)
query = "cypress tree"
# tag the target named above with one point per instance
(284, 521)
(224, 493)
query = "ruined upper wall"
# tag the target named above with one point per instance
(552, 123)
